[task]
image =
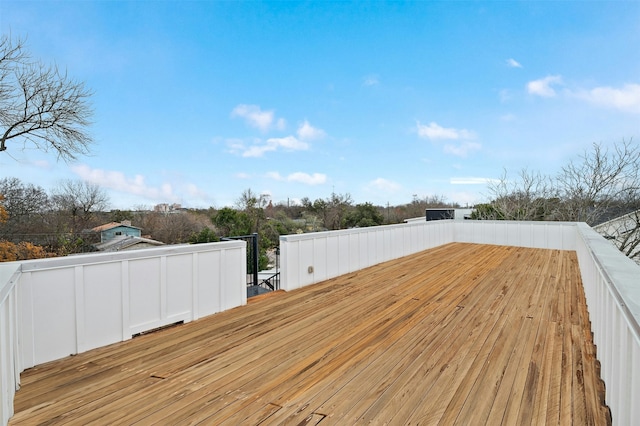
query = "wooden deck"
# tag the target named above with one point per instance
(460, 334)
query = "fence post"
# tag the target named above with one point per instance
(256, 258)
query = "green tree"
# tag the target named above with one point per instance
(330, 211)
(206, 235)
(364, 215)
(253, 206)
(230, 222)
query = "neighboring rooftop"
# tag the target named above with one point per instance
(458, 334)
(127, 242)
(112, 225)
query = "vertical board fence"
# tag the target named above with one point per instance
(52, 308)
(74, 304)
(9, 345)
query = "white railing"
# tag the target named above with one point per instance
(52, 308)
(310, 258)
(55, 307)
(612, 287)
(549, 235)
(611, 281)
(72, 304)
(9, 349)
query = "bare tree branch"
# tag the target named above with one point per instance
(598, 181)
(41, 106)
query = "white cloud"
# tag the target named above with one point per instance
(471, 180)
(307, 132)
(542, 87)
(384, 185)
(290, 143)
(434, 131)
(130, 185)
(462, 149)
(626, 98)
(256, 117)
(300, 177)
(371, 80)
(128, 191)
(259, 147)
(513, 63)
(314, 179)
(242, 175)
(257, 150)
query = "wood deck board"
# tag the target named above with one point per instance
(462, 333)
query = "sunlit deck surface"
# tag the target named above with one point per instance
(460, 334)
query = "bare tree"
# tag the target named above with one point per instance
(602, 183)
(530, 196)
(40, 105)
(624, 232)
(601, 188)
(27, 207)
(78, 201)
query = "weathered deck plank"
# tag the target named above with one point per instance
(460, 334)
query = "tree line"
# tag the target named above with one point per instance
(597, 187)
(36, 223)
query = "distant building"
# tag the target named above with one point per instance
(111, 230)
(167, 208)
(118, 236)
(448, 213)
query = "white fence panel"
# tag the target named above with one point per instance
(179, 269)
(9, 346)
(612, 288)
(49, 317)
(334, 253)
(232, 285)
(145, 294)
(320, 259)
(73, 304)
(100, 305)
(553, 235)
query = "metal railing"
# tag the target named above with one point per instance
(257, 284)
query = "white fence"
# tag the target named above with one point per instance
(612, 286)
(9, 349)
(310, 258)
(611, 281)
(52, 308)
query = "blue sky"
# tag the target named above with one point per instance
(197, 101)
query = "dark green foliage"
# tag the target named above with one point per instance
(206, 235)
(232, 222)
(364, 215)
